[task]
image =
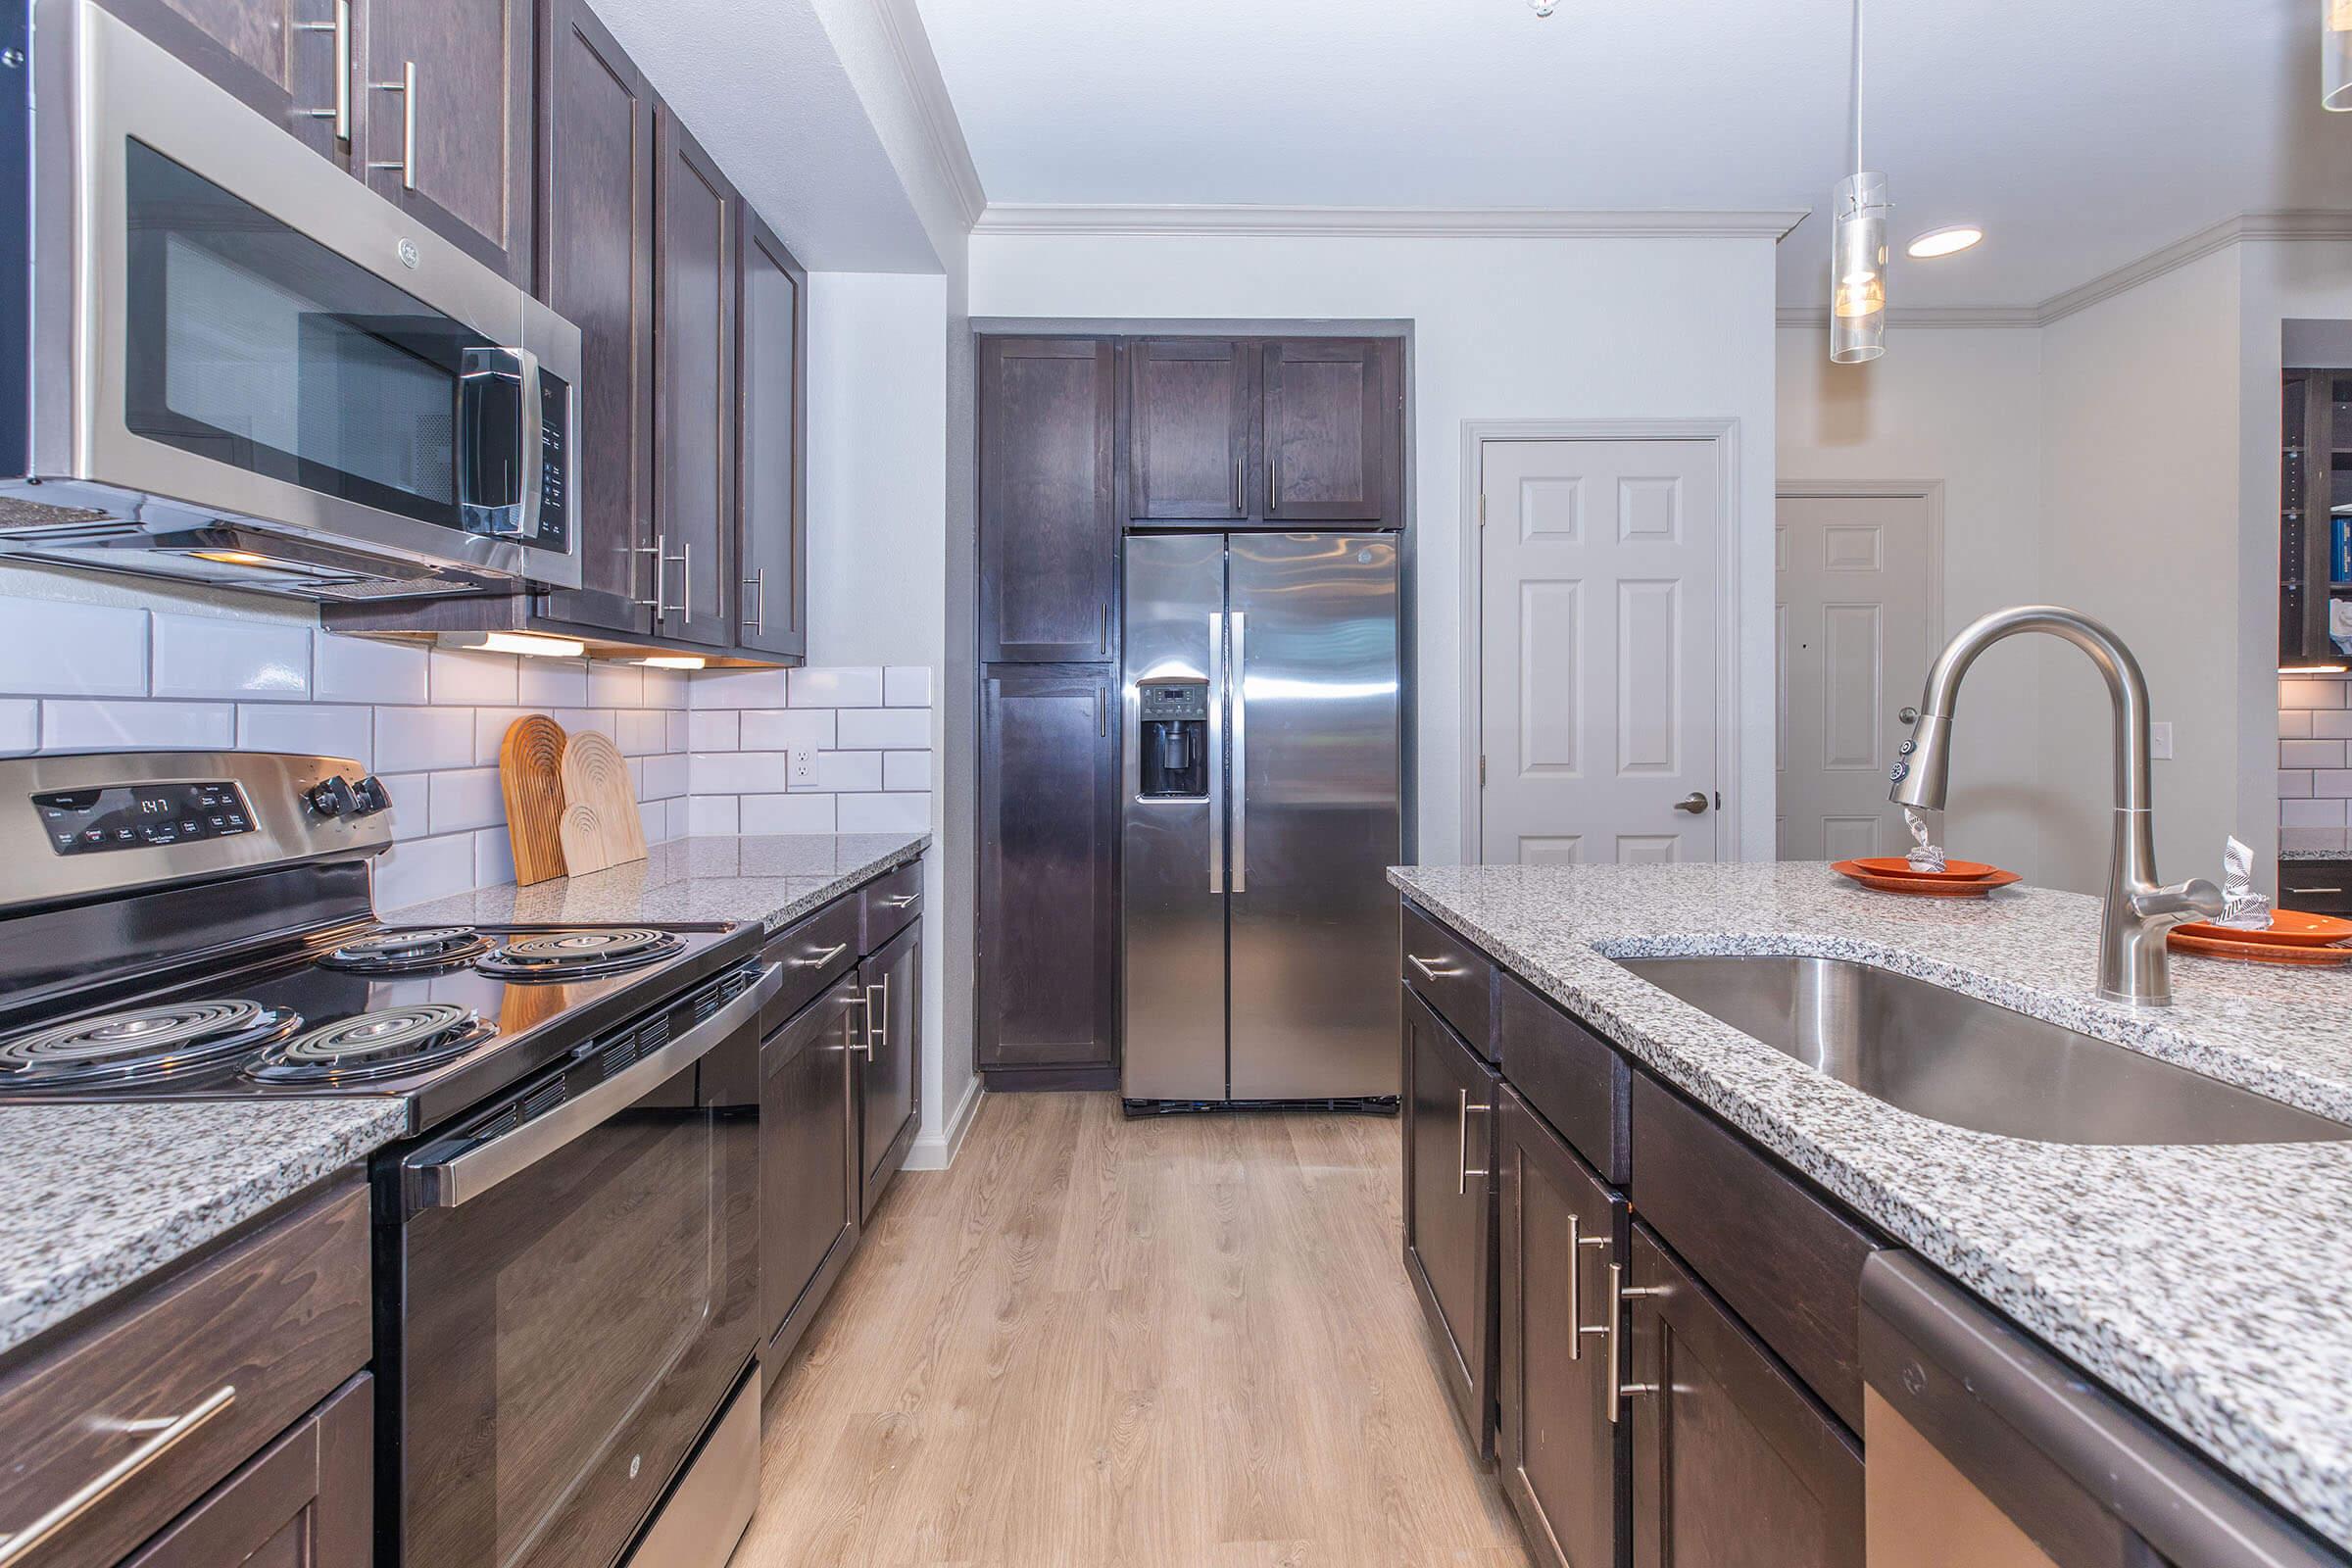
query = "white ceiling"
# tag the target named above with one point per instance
(2082, 133)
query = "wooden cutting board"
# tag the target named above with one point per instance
(530, 763)
(600, 826)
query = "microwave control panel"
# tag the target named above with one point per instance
(554, 463)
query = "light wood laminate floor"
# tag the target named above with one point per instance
(1172, 1341)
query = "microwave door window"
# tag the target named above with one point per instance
(250, 344)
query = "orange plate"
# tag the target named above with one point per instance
(2290, 928)
(1953, 870)
(1927, 886)
(2181, 939)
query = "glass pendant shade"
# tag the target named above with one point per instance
(1858, 269)
(2335, 55)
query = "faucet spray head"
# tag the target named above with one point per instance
(1922, 770)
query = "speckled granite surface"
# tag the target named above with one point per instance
(776, 878)
(93, 1197)
(2334, 851)
(2210, 1286)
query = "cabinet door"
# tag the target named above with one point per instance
(1048, 536)
(1735, 1464)
(889, 1088)
(1450, 1099)
(1563, 1461)
(809, 1175)
(278, 57)
(1190, 412)
(308, 1500)
(1049, 895)
(772, 511)
(1331, 436)
(448, 123)
(596, 191)
(695, 257)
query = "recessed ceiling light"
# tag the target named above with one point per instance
(1948, 241)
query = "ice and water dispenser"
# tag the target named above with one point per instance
(1174, 744)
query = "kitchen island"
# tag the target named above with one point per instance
(2204, 1284)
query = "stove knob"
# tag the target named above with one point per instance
(334, 798)
(371, 796)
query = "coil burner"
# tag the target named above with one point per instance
(143, 1045)
(578, 954)
(408, 951)
(369, 1046)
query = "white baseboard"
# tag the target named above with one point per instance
(938, 1150)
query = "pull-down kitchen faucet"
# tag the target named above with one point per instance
(2137, 910)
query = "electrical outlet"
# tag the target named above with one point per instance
(2160, 739)
(803, 767)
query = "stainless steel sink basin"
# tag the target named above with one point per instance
(1953, 1058)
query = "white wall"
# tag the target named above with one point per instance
(1961, 406)
(1503, 328)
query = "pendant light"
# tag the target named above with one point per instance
(2335, 55)
(1858, 244)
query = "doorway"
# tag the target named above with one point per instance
(1599, 589)
(1858, 616)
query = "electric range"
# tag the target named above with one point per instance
(565, 1241)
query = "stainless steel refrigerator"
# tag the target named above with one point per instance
(1261, 789)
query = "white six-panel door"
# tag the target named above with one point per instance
(1852, 633)
(1601, 584)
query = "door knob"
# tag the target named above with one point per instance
(1909, 715)
(1694, 803)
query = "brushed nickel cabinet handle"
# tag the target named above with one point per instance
(1106, 628)
(859, 999)
(1238, 503)
(340, 114)
(821, 959)
(2315, 889)
(1578, 1328)
(166, 1434)
(654, 550)
(1429, 970)
(1461, 1141)
(1619, 1294)
(757, 582)
(900, 900)
(684, 562)
(406, 87)
(877, 1017)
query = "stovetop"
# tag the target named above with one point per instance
(440, 1016)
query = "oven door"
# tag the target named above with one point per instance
(576, 1296)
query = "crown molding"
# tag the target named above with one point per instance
(2294, 223)
(1227, 219)
(949, 153)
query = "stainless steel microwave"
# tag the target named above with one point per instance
(234, 363)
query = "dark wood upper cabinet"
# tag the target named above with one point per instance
(1331, 431)
(448, 121)
(1191, 416)
(595, 193)
(695, 259)
(772, 529)
(1450, 1099)
(266, 52)
(1735, 1464)
(1049, 532)
(1562, 1459)
(1048, 899)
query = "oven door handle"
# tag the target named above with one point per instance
(453, 1183)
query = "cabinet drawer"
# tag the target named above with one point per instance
(815, 950)
(891, 904)
(1788, 1263)
(236, 1351)
(308, 1498)
(1572, 1076)
(1453, 976)
(2315, 887)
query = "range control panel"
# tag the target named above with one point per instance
(130, 816)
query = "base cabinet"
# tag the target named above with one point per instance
(808, 1176)
(1449, 1103)
(890, 1100)
(308, 1500)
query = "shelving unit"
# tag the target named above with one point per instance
(2315, 476)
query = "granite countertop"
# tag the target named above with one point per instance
(773, 878)
(94, 1198)
(2306, 853)
(2205, 1285)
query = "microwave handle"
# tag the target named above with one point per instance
(454, 1183)
(500, 515)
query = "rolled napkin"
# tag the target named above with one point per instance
(1923, 856)
(2242, 907)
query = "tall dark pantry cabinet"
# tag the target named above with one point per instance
(1084, 440)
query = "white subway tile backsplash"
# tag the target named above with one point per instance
(850, 686)
(616, 685)
(19, 725)
(2331, 783)
(421, 739)
(211, 656)
(906, 686)
(883, 813)
(642, 730)
(2294, 784)
(417, 869)
(466, 799)
(2294, 724)
(363, 669)
(2310, 691)
(321, 729)
(411, 803)
(79, 725)
(788, 813)
(2329, 724)
(2311, 754)
(712, 813)
(493, 856)
(49, 648)
(576, 719)
(474, 678)
(490, 726)
(716, 729)
(736, 688)
(907, 770)
(739, 772)
(884, 728)
(680, 731)
(666, 688)
(666, 775)
(2325, 840)
(837, 771)
(552, 683)
(787, 729)
(2311, 814)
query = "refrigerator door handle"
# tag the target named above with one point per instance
(1241, 742)
(1216, 753)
